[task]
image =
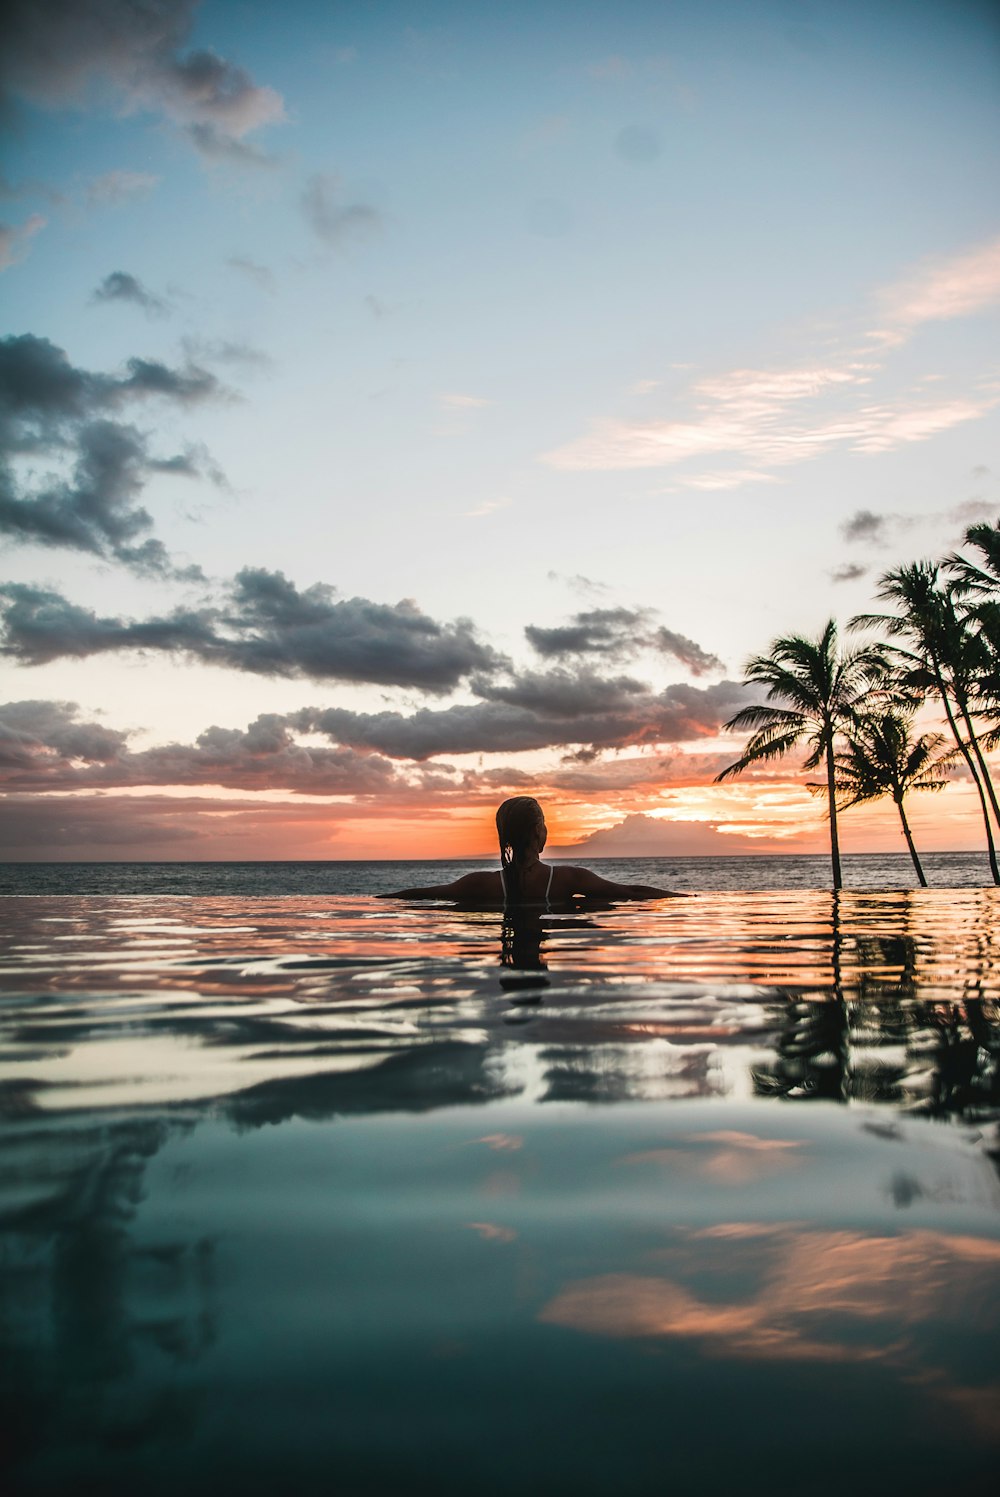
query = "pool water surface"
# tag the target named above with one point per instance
(327, 1194)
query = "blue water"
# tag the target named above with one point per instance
(319, 1193)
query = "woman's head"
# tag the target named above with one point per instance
(521, 828)
(522, 833)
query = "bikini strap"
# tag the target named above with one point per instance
(548, 886)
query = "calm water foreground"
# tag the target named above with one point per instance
(328, 1195)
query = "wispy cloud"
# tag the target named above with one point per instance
(118, 187)
(725, 478)
(487, 507)
(258, 274)
(940, 289)
(883, 528)
(465, 402)
(775, 417)
(15, 239)
(120, 286)
(331, 218)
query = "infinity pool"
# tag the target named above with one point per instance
(328, 1195)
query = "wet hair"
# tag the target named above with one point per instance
(517, 821)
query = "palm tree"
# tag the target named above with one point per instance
(946, 656)
(820, 691)
(977, 583)
(975, 577)
(881, 757)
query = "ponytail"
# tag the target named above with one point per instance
(517, 820)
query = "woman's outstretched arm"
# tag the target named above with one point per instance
(470, 886)
(585, 882)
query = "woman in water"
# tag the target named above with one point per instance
(523, 878)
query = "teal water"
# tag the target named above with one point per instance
(330, 1195)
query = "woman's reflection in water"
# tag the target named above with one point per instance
(521, 937)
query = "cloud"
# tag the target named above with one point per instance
(609, 632)
(120, 286)
(225, 351)
(849, 572)
(619, 634)
(538, 712)
(879, 529)
(15, 239)
(50, 409)
(265, 626)
(487, 507)
(44, 746)
(162, 826)
(775, 417)
(119, 186)
(465, 401)
(770, 417)
(259, 274)
(63, 53)
(865, 525)
(698, 661)
(941, 289)
(336, 222)
(49, 731)
(724, 478)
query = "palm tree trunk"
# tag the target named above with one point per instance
(984, 772)
(909, 840)
(970, 765)
(831, 791)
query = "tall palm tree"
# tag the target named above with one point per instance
(820, 691)
(881, 757)
(946, 656)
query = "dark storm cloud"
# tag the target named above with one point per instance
(619, 634)
(266, 626)
(59, 53)
(333, 220)
(52, 410)
(679, 714)
(120, 286)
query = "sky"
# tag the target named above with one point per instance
(405, 405)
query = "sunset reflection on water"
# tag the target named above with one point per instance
(293, 1184)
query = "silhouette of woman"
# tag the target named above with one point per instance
(523, 879)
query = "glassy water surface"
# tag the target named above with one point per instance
(325, 1194)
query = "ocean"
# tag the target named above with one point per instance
(949, 870)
